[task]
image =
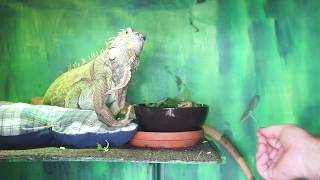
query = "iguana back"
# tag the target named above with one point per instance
(58, 90)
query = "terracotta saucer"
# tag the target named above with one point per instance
(166, 139)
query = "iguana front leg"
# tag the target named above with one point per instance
(103, 112)
(121, 97)
(123, 106)
(117, 101)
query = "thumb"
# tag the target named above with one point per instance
(275, 174)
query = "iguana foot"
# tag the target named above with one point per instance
(126, 120)
(121, 123)
(110, 121)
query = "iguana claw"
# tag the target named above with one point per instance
(126, 120)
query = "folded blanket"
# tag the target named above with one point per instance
(58, 126)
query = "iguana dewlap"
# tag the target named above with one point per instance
(101, 84)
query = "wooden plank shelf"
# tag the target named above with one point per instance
(203, 152)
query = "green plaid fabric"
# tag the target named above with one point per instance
(21, 118)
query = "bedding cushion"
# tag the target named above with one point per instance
(37, 139)
(28, 126)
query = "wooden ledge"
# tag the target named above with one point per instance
(203, 152)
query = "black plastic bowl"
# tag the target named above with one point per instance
(156, 119)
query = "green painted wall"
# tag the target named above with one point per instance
(224, 51)
(73, 170)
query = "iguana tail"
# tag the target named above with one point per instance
(37, 100)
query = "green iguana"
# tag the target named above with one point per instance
(101, 84)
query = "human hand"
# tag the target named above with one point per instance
(287, 152)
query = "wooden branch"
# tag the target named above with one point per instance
(213, 133)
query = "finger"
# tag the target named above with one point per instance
(269, 163)
(274, 170)
(278, 155)
(262, 140)
(263, 160)
(274, 142)
(273, 153)
(262, 165)
(272, 131)
(261, 148)
(269, 149)
(259, 134)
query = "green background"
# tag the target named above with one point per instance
(218, 52)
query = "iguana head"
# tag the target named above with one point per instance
(128, 42)
(123, 52)
(134, 39)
